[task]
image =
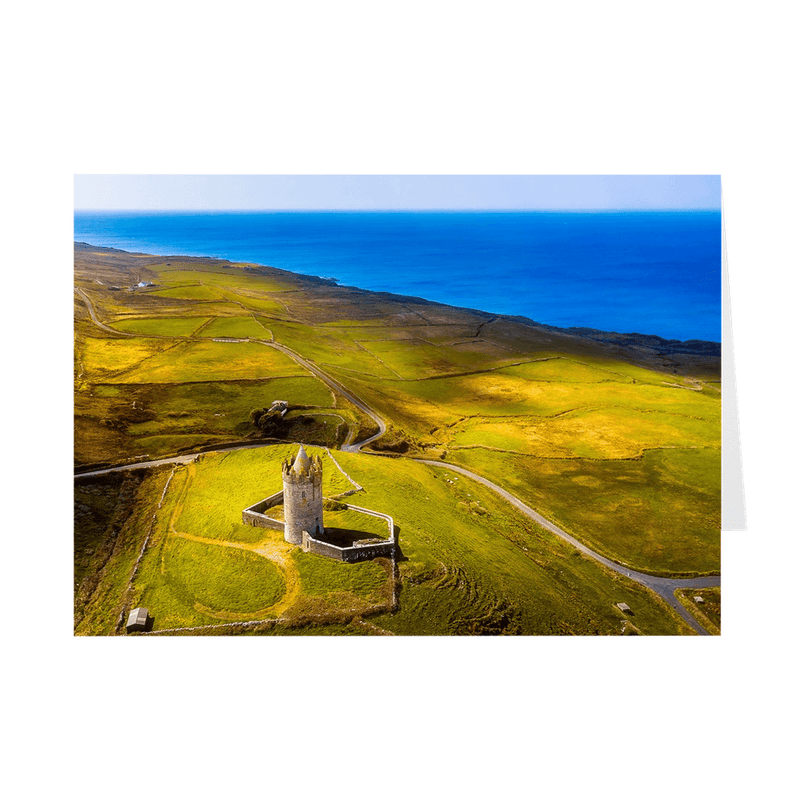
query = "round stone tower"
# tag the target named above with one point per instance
(302, 497)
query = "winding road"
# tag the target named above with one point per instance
(664, 587)
(337, 387)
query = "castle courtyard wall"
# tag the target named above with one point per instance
(255, 516)
(348, 554)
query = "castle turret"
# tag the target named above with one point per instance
(302, 496)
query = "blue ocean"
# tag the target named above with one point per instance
(629, 272)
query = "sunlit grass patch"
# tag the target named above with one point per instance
(508, 391)
(365, 525)
(105, 357)
(228, 278)
(161, 326)
(551, 367)
(322, 576)
(204, 361)
(221, 578)
(399, 401)
(592, 433)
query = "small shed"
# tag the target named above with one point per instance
(624, 608)
(698, 599)
(137, 620)
(279, 406)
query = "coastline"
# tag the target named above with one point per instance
(647, 342)
(656, 273)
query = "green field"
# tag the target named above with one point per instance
(162, 326)
(103, 358)
(219, 277)
(660, 513)
(221, 579)
(189, 292)
(416, 358)
(262, 305)
(329, 348)
(236, 327)
(595, 433)
(203, 361)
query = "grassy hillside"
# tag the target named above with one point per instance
(165, 382)
(615, 438)
(470, 563)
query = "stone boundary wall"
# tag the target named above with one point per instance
(266, 623)
(255, 516)
(356, 552)
(127, 606)
(389, 520)
(349, 554)
(357, 487)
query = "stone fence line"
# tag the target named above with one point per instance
(254, 515)
(134, 572)
(338, 466)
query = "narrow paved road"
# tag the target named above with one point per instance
(184, 459)
(90, 308)
(340, 389)
(664, 587)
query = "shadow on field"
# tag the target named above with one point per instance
(398, 553)
(345, 537)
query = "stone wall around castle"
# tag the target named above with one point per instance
(348, 554)
(255, 516)
(356, 552)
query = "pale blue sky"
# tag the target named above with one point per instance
(396, 192)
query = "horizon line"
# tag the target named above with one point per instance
(410, 210)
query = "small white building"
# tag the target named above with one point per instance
(279, 407)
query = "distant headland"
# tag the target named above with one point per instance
(656, 273)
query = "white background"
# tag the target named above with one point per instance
(435, 87)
